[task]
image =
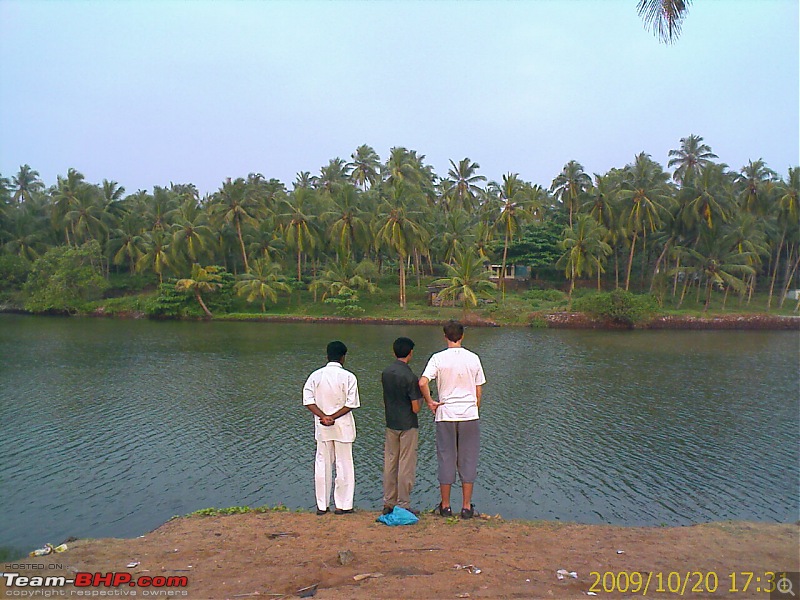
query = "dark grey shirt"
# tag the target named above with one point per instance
(400, 387)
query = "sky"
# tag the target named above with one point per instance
(150, 93)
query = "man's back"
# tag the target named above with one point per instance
(400, 387)
(457, 372)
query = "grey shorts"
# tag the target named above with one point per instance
(457, 447)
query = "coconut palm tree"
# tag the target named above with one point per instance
(365, 167)
(690, 159)
(399, 228)
(232, 205)
(585, 250)
(332, 176)
(192, 235)
(712, 197)
(570, 185)
(467, 280)
(348, 229)
(664, 17)
(717, 259)
(756, 180)
(202, 280)
(26, 183)
(461, 188)
(296, 211)
(262, 282)
(644, 194)
(126, 242)
(156, 255)
(511, 211)
(340, 277)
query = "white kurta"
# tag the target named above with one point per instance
(332, 388)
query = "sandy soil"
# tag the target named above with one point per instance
(275, 554)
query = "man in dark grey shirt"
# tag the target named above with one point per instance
(401, 399)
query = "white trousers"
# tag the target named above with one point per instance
(340, 454)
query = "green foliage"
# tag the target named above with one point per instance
(170, 303)
(64, 279)
(618, 306)
(346, 303)
(124, 283)
(546, 295)
(236, 510)
(14, 272)
(537, 247)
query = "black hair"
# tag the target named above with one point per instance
(336, 351)
(453, 330)
(402, 347)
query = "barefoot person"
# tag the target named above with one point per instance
(331, 393)
(401, 400)
(459, 380)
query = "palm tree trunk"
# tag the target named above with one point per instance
(299, 274)
(675, 279)
(203, 304)
(683, 291)
(503, 268)
(417, 267)
(402, 262)
(571, 287)
(775, 270)
(789, 281)
(630, 261)
(241, 244)
(658, 264)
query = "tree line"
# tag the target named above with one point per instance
(703, 227)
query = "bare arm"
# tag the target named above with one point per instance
(478, 394)
(323, 418)
(425, 388)
(416, 405)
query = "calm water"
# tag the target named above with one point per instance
(112, 427)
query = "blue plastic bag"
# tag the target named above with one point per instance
(398, 516)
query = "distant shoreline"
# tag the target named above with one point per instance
(556, 320)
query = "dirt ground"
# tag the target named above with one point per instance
(276, 554)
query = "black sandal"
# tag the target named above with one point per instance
(443, 512)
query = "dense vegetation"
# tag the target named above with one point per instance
(363, 227)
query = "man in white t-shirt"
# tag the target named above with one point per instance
(459, 380)
(331, 393)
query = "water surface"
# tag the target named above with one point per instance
(112, 427)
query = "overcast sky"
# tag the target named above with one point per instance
(148, 93)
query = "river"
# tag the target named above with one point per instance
(111, 427)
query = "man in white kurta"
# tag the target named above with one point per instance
(331, 393)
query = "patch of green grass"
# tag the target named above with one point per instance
(236, 510)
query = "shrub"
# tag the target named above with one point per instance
(617, 306)
(64, 279)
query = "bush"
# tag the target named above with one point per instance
(14, 272)
(346, 303)
(617, 306)
(64, 279)
(546, 295)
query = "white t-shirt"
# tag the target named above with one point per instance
(457, 372)
(331, 388)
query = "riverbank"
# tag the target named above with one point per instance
(275, 554)
(555, 320)
(552, 320)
